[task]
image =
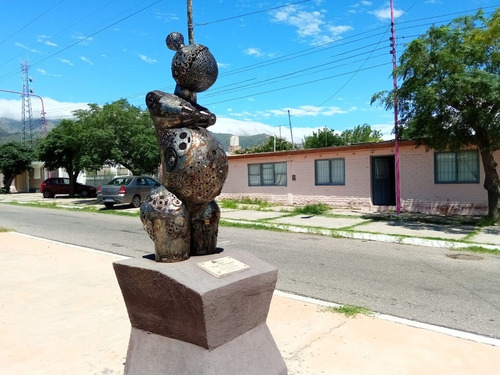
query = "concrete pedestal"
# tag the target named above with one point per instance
(187, 321)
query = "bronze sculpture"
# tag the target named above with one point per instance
(181, 216)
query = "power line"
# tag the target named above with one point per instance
(85, 38)
(322, 79)
(30, 22)
(254, 82)
(249, 14)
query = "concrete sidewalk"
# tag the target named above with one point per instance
(62, 313)
(353, 224)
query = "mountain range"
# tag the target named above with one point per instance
(11, 130)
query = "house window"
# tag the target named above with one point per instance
(456, 167)
(330, 171)
(267, 174)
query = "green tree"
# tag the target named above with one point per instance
(269, 146)
(323, 138)
(15, 158)
(66, 146)
(361, 134)
(450, 92)
(125, 135)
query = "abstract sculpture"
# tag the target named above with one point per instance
(181, 216)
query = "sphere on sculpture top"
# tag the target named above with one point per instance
(193, 67)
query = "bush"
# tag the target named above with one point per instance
(312, 209)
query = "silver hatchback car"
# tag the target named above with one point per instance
(126, 190)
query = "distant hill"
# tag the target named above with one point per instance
(10, 130)
(10, 125)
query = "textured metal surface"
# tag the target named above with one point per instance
(181, 217)
(166, 220)
(195, 165)
(193, 67)
(170, 111)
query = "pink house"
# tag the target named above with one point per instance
(362, 176)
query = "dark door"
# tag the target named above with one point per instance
(383, 181)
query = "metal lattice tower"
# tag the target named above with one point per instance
(26, 111)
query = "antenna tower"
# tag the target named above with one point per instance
(26, 111)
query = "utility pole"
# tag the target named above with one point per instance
(190, 21)
(290, 123)
(396, 130)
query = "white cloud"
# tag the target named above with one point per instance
(17, 44)
(45, 73)
(147, 59)
(386, 130)
(223, 65)
(240, 127)
(169, 17)
(83, 40)
(306, 110)
(44, 39)
(53, 109)
(66, 61)
(311, 26)
(252, 52)
(87, 60)
(384, 14)
(247, 127)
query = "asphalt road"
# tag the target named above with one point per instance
(412, 282)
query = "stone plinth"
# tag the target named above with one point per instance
(187, 321)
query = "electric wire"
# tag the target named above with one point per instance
(249, 14)
(84, 38)
(284, 58)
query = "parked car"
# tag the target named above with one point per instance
(126, 190)
(60, 185)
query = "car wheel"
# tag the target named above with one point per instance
(47, 194)
(84, 194)
(136, 201)
(109, 205)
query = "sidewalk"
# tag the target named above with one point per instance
(62, 313)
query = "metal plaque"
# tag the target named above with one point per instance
(222, 267)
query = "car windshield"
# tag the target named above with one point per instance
(120, 181)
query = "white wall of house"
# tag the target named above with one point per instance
(419, 192)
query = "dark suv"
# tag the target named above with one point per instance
(60, 185)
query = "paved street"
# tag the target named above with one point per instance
(414, 282)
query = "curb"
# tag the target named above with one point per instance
(415, 241)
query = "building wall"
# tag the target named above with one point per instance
(419, 193)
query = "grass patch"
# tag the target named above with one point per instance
(61, 206)
(3, 229)
(236, 203)
(452, 220)
(250, 225)
(312, 209)
(479, 249)
(348, 310)
(228, 204)
(486, 221)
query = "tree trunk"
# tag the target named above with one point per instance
(491, 184)
(7, 181)
(72, 182)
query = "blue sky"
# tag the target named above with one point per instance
(319, 60)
